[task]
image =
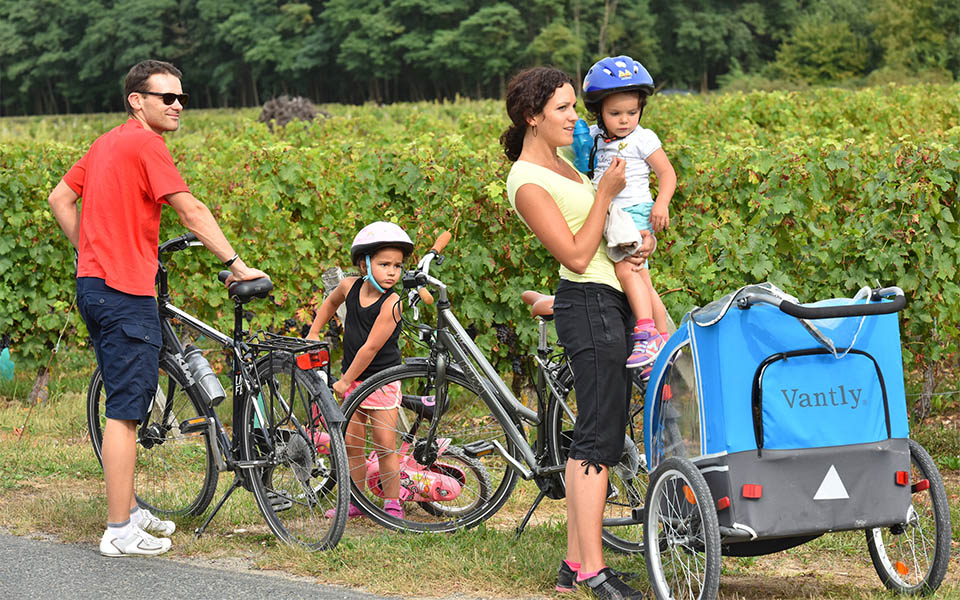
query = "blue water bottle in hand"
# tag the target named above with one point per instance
(582, 145)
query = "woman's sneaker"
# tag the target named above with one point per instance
(646, 345)
(566, 578)
(150, 523)
(606, 585)
(137, 543)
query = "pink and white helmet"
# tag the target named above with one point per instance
(380, 234)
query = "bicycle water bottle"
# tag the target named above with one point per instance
(203, 375)
(582, 145)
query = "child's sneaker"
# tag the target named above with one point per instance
(646, 345)
(137, 543)
(352, 513)
(393, 508)
(149, 522)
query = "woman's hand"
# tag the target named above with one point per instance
(660, 216)
(613, 181)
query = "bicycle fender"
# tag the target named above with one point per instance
(329, 408)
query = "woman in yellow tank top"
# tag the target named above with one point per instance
(593, 319)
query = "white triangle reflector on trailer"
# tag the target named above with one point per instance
(831, 488)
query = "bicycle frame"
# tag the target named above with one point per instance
(453, 340)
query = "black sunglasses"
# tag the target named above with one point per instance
(169, 97)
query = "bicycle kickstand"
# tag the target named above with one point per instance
(233, 486)
(526, 519)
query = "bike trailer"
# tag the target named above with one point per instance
(798, 422)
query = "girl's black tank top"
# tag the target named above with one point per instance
(357, 328)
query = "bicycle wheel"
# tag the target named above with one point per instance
(300, 478)
(446, 486)
(175, 473)
(623, 513)
(681, 533)
(912, 558)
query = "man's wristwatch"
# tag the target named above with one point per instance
(231, 260)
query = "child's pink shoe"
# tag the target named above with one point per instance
(393, 508)
(646, 345)
(352, 512)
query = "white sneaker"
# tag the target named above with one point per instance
(138, 543)
(149, 522)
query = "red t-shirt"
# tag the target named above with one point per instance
(123, 180)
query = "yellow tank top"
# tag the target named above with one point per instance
(574, 201)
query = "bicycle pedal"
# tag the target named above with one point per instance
(479, 448)
(194, 425)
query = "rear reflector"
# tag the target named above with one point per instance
(723, 503)
(689, 495)
(752, 490)
(921, 486)
(903, 478)
(313, 360)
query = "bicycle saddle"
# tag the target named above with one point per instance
(242, 292)
(541, 305)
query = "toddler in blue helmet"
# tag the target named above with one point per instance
(615, 90)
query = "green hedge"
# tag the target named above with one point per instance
(767, 191)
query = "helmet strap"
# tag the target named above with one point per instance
(369, 277)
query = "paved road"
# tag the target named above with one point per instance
(39, 569)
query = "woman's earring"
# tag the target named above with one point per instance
(534, 131)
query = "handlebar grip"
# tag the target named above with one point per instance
(425, 296)
(849, 310)
(190, 237)
(441, 242)
(222, 276)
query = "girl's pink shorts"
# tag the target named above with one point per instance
(385, 398)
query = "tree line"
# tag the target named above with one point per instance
(63, 56)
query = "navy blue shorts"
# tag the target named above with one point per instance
(594, 323)
(125, 331)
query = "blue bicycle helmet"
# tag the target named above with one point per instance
(611, 75)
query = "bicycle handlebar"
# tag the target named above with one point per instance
(178, 243)
(420, 277)
(830, 312)
(441, 242)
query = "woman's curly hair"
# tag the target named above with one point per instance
(527, 94)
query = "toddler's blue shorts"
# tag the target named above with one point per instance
(125, 331)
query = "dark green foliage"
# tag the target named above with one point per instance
(71, 55)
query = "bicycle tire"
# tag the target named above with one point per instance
(627, 488)
(908, 559)
(175, 474)
(681, 533)
(467, 421)
(301, 490)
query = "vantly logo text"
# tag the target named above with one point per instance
(833, 397)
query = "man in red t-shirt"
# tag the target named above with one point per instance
(124, 179)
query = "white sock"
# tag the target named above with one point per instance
(120, 530)
(135, 515)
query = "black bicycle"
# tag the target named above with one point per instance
(287, 441)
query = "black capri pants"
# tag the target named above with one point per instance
(594, 325)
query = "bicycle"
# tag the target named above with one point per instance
(183, 445)
(460, 419)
